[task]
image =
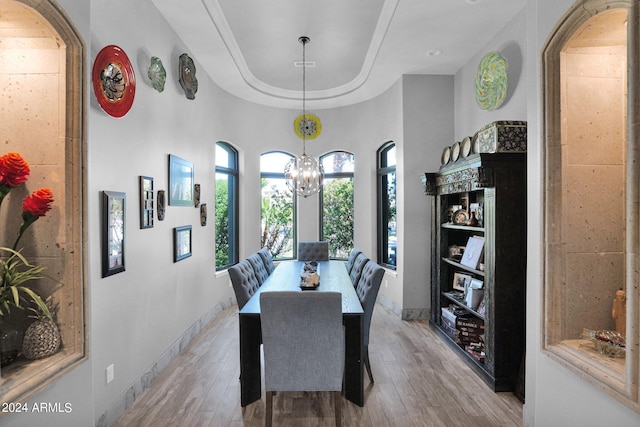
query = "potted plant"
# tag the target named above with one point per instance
(16, 272)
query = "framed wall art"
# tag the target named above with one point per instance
(180, 182)
(113, 232)
(147, 202)
(181, 243)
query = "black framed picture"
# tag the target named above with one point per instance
(147, 202)
(113, 232)
(181, 243)
(180, 182)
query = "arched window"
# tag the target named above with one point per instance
(277, 208)
(386, 189)
(336, 203)
(227, 228)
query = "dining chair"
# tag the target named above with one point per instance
(259, 269)
(352, 258)
(367, 290)
(267, 259)
(358, 265)
(304, 347)
(313, 251)
(244, 281)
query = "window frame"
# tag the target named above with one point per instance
(233, 197)
(334, 175)
(383, 170)
(280, 175)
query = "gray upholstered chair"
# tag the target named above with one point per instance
(259, 269)
(358, 265)
(313, 251)
(352, 258)
(267, 259)
(244, 281)
(303, 341)
(367, 290)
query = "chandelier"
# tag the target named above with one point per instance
(304, 174)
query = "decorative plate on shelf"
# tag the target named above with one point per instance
(187, 76)
(465, 148)
(460, 217)
(157, 74)
(114, 82)
(446, 155)
(455, 151)
(491, 81)
(307, 126)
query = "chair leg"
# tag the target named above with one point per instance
(367, 364)
(268, 416)
(337, 399)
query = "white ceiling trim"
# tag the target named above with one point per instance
(214, 10)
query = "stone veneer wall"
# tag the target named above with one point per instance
(593, 184)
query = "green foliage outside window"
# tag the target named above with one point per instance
(276, 219)
(222, 223)
(337, 216)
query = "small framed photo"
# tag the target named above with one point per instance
(181, 243)
(461, 281)
(113, 232)
(147, 202)
(180, 182)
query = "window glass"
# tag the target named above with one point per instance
(386, 197)
(336, 201)
(226, 206)
(278, 205)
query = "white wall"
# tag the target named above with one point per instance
(555, 396)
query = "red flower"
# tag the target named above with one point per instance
(39, 203)
(14, 170)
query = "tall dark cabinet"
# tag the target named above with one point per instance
(478, 307)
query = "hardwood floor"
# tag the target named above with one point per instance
(419, 382)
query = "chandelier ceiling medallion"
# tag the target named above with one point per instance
(304, 174)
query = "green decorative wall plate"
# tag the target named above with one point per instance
(491, 81)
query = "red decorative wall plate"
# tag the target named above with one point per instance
(114, 82)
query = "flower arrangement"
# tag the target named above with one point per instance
(15, 269)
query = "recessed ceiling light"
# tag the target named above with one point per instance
(434, 52)
(472, 1)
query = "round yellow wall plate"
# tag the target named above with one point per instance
(307, 126)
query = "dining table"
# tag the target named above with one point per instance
(287, 277)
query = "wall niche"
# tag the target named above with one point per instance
(591, 194)
(42, 118)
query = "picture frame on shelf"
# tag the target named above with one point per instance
(181, 243)
(113, 232)
(472, 252)
(180, 182)
(147, 202)
(461, 281)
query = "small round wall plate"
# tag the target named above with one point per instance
(187, 76)
(307, 126)
(455, 151)
(157, 74)
(460, 217)
(446, 155)
(465, 148)
(475, 144)
(114, 82)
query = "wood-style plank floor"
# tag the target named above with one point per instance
(419, 382)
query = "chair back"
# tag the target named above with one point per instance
(259, 269)
(352, 258)
(367, 290)
(358, 265)
(267, 259)
(303, 341)
(244, 281)
(313, 251)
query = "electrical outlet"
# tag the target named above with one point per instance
(110, 373)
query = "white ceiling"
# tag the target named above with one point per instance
(360, 47)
